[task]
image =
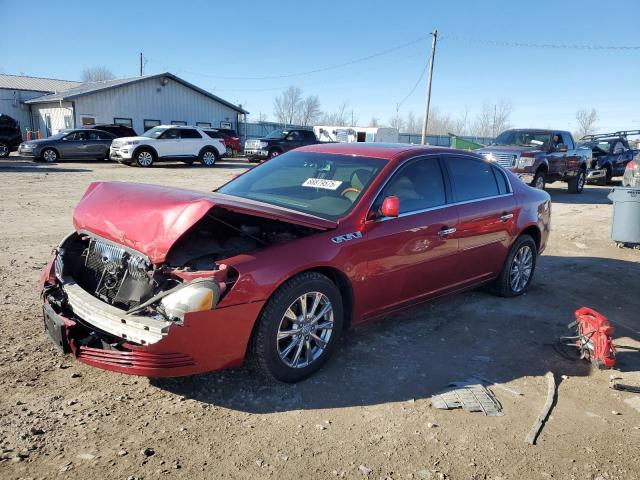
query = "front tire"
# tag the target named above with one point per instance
(517, 271)
(4, 150)
(538, 180)
(298, 329)
(576, 184)
(144, 158)
(273, 153)
(49, 155)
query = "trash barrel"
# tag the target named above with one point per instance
(625, 225)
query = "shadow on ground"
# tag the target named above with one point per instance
(23, 166)
(416, 353)
(591, 195)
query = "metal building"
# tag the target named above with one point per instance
(138, 102)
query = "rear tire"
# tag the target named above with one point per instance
(518, 269)
(144, 158)
(208, 157)
(576, 184)
(4, 149)
(289, 343)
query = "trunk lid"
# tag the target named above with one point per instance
(151, 218)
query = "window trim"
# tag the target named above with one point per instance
(448, 186)
(491, 165)
(150, 120)
(130, 120)
(203, 124)
(179, 123)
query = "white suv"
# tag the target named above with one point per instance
(168, 142)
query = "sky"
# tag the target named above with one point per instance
(230, 47)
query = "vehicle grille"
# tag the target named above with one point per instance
(252, 144)
(506, 160)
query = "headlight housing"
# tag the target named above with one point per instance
(198, 296)
(525, 162)
(264, 144)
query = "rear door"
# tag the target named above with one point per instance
(292, 140)
(412, 255)
(572, 158)
(74, 145)
(487, 217)
(98, 143)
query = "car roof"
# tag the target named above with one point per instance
(386, 151)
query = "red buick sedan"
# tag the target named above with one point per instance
(275, 264)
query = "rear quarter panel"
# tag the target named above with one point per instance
(534, 209)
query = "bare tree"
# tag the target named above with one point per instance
(97, 74)
(309, 111)
(374, 122)
(337, 118)
(287, 105)
(413, 124)
(586, 121)
(492, 119)
(397, 122)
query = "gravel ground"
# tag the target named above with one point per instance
(367, 414)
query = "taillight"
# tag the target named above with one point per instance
(632, 166)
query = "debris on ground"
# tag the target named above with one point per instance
(625, 388)
(537, 426)
(470, 396)
(501, 386)
(593, 338)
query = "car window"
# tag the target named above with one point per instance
(566, 139)
(472, 178)
(308, 135)
(189, 133)
(618, 148)
(295, 136)
(71, 136)
(95, 135)
(325, 185)
(171, 133)
(501, 179)
(419, 185)
(213, 134)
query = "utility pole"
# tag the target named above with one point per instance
(434, 40)
(141, 71)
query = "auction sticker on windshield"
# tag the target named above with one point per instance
(322, 183)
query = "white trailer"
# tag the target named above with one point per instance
(348, 134)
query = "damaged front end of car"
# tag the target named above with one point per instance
(163, 309)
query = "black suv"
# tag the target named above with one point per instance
(10, 135)
(278, 142)
(115, 129)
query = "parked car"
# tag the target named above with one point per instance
(274, 264)
(78, 143)
(277, 143)
(10, 135)
(166, 143)
(610, 155)
(541, 156)
(232, 143)
(631, 176)
(114, 128)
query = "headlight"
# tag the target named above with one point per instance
(264, 144)
(489, 156)
(132, 142)
(525, 162)
(199, 296)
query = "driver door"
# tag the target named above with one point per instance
(169, 144)
(411, 256)
(293, 140)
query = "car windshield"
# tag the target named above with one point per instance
(324, 185)
(59, 135)
(524, 138)
(277, 134)
(155, 132)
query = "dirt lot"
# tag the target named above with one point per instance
(367, 414)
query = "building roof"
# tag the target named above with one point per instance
(36, 84)
(92, 87)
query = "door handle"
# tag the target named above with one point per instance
(506, 216)
(445, 231)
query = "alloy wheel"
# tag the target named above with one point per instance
(4, 150)
(229, 152)
(521, 268)
(539, 182)
(581, 180)
(49, 155)
(145, 159)
(208, 158)
(274, 154)
(305, 330)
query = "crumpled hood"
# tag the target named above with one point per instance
(151, 218)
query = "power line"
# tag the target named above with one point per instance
(502, 43)
(413, 89)
(307, 72)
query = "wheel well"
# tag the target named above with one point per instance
(145, 147)
(50, 148)
(533, 232)
(212, 148)
(543, 168)
(346, 291)
(278, 149)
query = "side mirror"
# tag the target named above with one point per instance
(390, 206)
(561, 148)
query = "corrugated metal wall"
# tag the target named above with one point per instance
(10, 104)
(56, 112)
(152, 100)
